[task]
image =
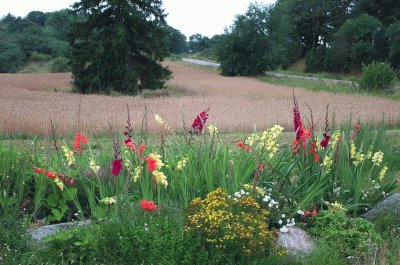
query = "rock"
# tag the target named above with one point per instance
(391, 205)
(296, 241)
(39, 233)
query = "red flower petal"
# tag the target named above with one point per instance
(116, 167)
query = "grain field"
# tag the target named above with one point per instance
(29, 101)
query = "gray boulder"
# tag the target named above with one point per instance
(296, 241)
(391, 205)
(39, 233)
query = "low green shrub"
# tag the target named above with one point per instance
(353, 237)
(377, 76)
(60, 65)
(315, 59)
(39, 57)
(135, 237)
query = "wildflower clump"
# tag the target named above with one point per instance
(238, 226)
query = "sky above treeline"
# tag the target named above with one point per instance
(207, 17)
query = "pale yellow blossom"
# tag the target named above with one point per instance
(377, 158)
(383, 173)
(138, 171)
(336, 207)
(69, 155)
(335, 138)
(352, 150)
(160, 178)
(212, 129)
(59, 183)
(158, 119)
(93, 166)
(182, 163)
(109, 200)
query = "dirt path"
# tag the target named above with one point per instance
(29, 101)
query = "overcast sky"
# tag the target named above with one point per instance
(207, 17)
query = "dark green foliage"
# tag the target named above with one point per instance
(377, 76)
(117, 46)
(198, 43)
(245, 48)
(175, 41)
(393, 36)
(351, 236)
(387, 11)
(359, 40)
(11, 56)
(59, 65)
(37, 33)
(315, 59)
(135, 237)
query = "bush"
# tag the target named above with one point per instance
(39, 57)
(60, 65)
(135, 237)
(378, 76)
(11, 60)
(233, 225)
(315, 60)
(350, 236)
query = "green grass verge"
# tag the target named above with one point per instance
(315, 85)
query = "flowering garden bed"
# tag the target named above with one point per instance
(191, 198)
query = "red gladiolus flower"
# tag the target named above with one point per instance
(66, 180)
(200, 120)
(116, 167)
(142, 148)
(243, 146)
(316, 158)
(151, 164)
(308, 213)
(50, 175)
(131, 145)
(79, 139)
(149, 206)
(37, 170)
(260, 166)
(72, 181)
(324, 143)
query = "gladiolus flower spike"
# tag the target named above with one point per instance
(200, 121)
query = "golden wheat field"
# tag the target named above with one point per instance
(29, 101)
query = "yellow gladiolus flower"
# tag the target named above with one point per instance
(382, 173)
(182, 163)
(352, 150)
(212, 129)
(138, 171)
(69, 155)
(93, 166)
(377, 158)
(160, 178)
(59, 183)
(336, 207)
(158, 119)
(109, 200)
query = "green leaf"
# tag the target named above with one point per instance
(52, 200)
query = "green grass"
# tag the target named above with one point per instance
(36, 67)
(315, 85)
(327, 75)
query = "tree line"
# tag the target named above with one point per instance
(332, 35)
(118, 45)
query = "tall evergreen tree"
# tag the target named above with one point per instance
(117, 45)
